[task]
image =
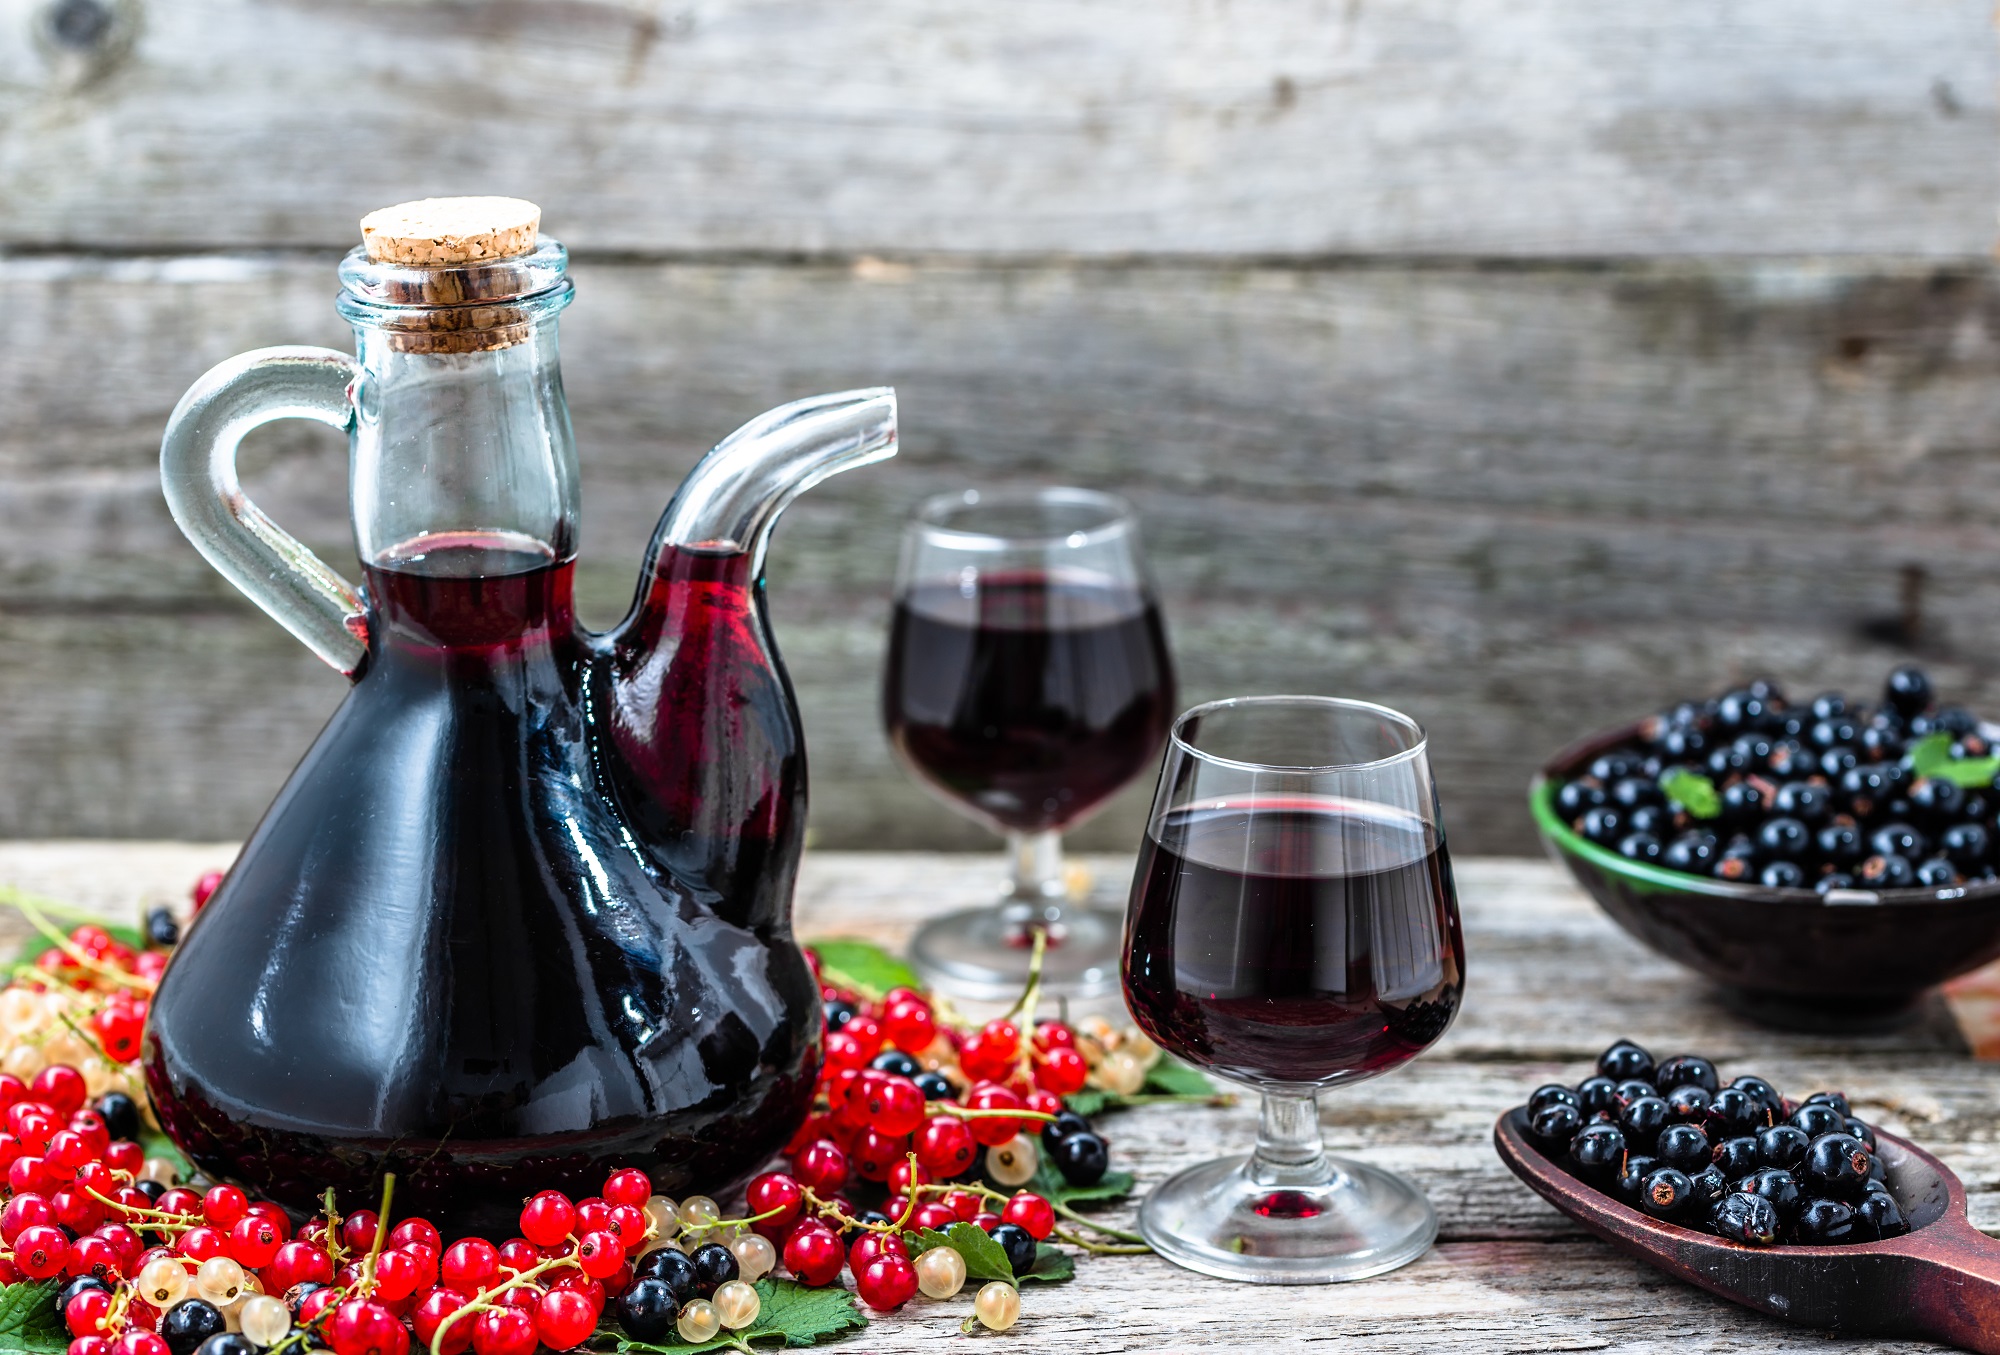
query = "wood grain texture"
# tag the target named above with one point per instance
(1496, 127)
(1520, 502)
(1550, 982)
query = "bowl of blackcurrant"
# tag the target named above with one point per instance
(1825, 860)
(1739, 1161)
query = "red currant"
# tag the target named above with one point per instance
(875, 1153)
(547, 1218)
(887, 1282)
(357, 1231)
(254, 1242)
(315, 1303)
(593, 1215)
(1053, 1034)
(870, 1245)
(774, 1190)
(90, 1345)
(524, 1297)
(298, 1263)
(895, 1106)
(416, 1230)
(821, 1167)
(12, 1089)
(202, 1242)
(25, 1176)
(138, 1342)
(429, 1315)
(963, 1204)
(628, 1225)
(902, 1177)
(987, 1057)
(985, 1221)
(1062, 1071)
(85, 1314)
(992, 1131)
(91, 1125)
(909, 1025)
(1030, 1212)
(125, 1243)
(61, 1088)
(584, 1285)
(630, 1186)
(93, 1256)
(563, 1318)
(468, 1264)
(119, 1027)
(365, 1327)
(599, 1255)
(24, 1211)
(509, 1331)
(516, 1255)
(865, 1031)
(76, 1209)
(944, 1146)
(397, 1274)
(934, 1214)
(40, 1251)
(844, 1051)
(813, 1254)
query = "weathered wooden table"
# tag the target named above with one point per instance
(1550, 982)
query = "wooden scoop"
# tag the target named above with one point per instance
(1940, 1281)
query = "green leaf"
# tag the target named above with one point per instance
(1174, 1078)
(788, 1311)
(1092, 1101)
(1692, 791)
(1053, 1187)
(1052, 1266)
(984, 1258)
(862, 966)
(1931, 757)
(28, 1320)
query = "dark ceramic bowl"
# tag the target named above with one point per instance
(1788, 956)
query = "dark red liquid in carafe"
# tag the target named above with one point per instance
(446, 954)
(1034, 698)
(1293, 940)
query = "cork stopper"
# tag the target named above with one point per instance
(438, 232)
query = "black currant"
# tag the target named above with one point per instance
(838, 1013)
(1639, 847)
(1596, 1151)
(1634, 791)
(1554, 1126)
(1908, 691)
(1577, 798)
(1782, 875)
(715, 1265)
(1824, 1223)
(1665, 1192)
(1936, 799)
(1783, 1145)
(1809, 802)
(1631, 1091)
(1783, 837)
(1066, 1122)
(1778, 1186)
(1694, 851)
(934, 1086)
(188, 1323)
(897, 1062)
(154, 1194)
(1838, 1100)
(1645, 1118)
(1680, 1145)
(1898, 839)
(1604, 824)
(1737, 1157)
(1653, 820)
(1683, 742)
(1829, 704)
(1632, 1174)
(1744, 1218)
(1788, 758)
(1826, 884)
(1815, 1118)
(161, 929)
(1837, 1166)
(1610, 767)
(1888, 872)
(1834, 732)
(1598, 1094)
(1625, 1062)
(1861, 1131)
(1553, 1093)
(1019, 1244)
(674, 1270)
(1688, 1105)
(1966, 844)
(1745, 801)
(75, 1287)
(1741, 709)
(1837, 762)
(1757, 1089)
(1878, 1216)
(1936, 873)
(648, 1310)
(228, 1343)
(120, 1114)
(1709, 1186)
(1082, 1159)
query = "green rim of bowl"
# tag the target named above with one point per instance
(1542, 802)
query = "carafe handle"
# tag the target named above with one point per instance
(198, 472)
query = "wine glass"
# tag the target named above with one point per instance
(1028, 681)
(1293, 926)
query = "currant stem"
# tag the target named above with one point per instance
(367, 1285)
(1095, 1226)
(1101, 1248)
(484, 1301)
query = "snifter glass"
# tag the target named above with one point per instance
(1028, 681)
(1294, 927)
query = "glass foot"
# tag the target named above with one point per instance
(981, 954)
(1215, 1219)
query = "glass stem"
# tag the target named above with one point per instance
(1289, 1152)
(1038, 887)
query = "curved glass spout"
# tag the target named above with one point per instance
(732, 498)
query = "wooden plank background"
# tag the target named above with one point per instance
(1521, 364)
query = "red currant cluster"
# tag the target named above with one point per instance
(82, 1004)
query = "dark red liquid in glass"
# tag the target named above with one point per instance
(451, 952)
(1033, 700)
(1293, 940)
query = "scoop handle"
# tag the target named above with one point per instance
(1954, 1286)
(198, 473)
